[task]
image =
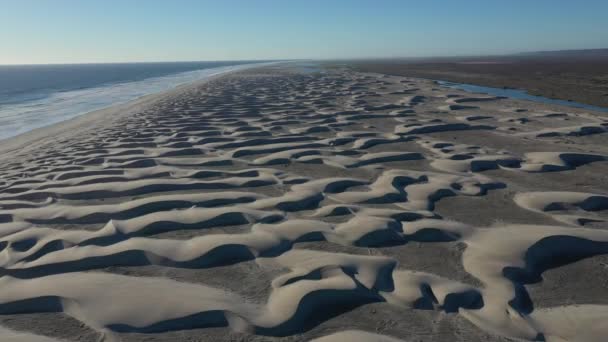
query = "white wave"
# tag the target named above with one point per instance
(23, 117)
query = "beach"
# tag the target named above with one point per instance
(35, 96)
(321, 203)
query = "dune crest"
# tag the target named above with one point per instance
(276, 203)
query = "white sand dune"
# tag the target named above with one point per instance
(583, 207)
(274, 204)
(15, 336)
(356, 335)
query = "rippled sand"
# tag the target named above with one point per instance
(276, 204)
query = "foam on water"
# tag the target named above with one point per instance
(21, 117)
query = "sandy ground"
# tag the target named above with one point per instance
(276, 204)
(578, 76)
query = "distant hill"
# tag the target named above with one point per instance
(569, 53)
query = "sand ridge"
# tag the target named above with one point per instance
(278, 204)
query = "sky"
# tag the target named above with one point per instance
(104, 31)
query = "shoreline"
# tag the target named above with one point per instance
(88, 119)
(553, 102)
(583, 80)
(520, 94)
(547, 105)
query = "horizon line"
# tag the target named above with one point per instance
(311, 59)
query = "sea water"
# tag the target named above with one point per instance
(33, 96)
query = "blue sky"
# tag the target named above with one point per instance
(70, 31)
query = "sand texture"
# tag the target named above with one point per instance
(575, 75)
(282, 204)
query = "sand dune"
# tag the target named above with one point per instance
(277, 204)
(356, 335)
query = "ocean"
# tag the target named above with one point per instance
(34, 96)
